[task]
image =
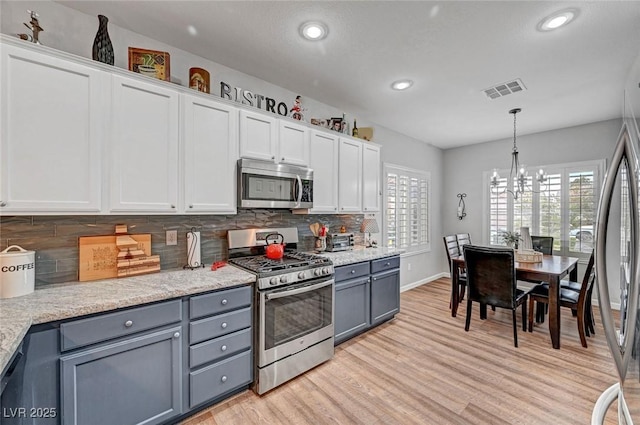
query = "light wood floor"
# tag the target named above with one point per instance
(423, 368)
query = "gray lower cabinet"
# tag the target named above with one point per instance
(367, 294)
(351, 308)
(134, 381)
(220, 345)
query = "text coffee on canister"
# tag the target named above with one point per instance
(17, 272)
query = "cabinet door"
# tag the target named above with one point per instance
(323, 160)
(294, 143)
(350, 176)
(210, 155)
(385, 296)
(370, 178)
(351, 308)
(136, 381)
(258, 136)
(53, 122)
(144, 142)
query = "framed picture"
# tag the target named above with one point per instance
(152, 63)
(336, 124)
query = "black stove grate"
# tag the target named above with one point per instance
(291, 261)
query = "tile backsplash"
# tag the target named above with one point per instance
(55, 238)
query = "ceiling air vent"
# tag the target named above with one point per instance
(504, 89)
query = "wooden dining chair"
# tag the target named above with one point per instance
(463, 239)
(491, 280)
(543, 244)
(451, 247)
(575, 300)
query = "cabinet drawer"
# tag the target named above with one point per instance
(219, 348)
(383, 264)
(113, 325)
(222, 324)
(219, 378)
(350, 271)
(220, 302)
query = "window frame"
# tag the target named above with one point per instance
(597, 166)
(411, 173)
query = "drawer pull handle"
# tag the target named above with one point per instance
(224, 378)
(176, 335)
(3, 204)
(224, 325)
(128, 323)
(224, 302)
(223, 348)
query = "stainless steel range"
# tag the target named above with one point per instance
(294, 301)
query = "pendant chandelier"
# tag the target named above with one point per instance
(518, 175)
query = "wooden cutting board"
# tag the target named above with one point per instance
(98, 255)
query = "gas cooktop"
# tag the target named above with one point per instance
(291, 261)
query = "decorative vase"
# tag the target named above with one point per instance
(525, 237)
(102, 47)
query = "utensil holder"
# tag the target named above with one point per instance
(321, 243)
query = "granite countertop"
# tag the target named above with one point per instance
(359, 255)
(73, 299)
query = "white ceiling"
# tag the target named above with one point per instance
(451, 49)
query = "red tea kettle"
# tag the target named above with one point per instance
(274, 251)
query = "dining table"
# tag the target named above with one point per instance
(551, 269)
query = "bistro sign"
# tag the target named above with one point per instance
(247, 97)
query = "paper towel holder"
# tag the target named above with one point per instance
(462, 208)
(193, 250)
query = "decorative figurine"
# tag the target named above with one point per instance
(296, 109)
(34, 27)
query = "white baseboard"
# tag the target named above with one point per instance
(420, 282)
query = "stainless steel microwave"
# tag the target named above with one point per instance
(264, 184)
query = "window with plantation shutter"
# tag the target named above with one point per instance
(564, 207)
(406, 221)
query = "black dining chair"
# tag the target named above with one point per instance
(575, 300)
(491, 280)
(451, 247)
(543, 244)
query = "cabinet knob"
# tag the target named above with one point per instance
(224, 378)
(283, 158)
(223, 348)
(335, 209)
(273, 157)
(173, 206)
(387, 264)
(365, 209)
(224, 325)
(224, 301)
(353, 271)
(375, 278)
(176, 335)
(128, 323)
(3, 204)
(191, 206)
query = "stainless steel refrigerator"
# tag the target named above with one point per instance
(617, 264)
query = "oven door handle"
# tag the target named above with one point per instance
(297, 291)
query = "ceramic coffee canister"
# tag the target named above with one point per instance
(102, 47)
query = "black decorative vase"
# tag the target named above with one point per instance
(102, 47)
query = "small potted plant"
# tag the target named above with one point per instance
(511, 239)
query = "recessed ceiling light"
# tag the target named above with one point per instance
(557, 20)
(314, 31)
(401, 84)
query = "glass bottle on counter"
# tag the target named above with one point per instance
(354, 132)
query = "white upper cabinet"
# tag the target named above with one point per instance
(144, 147)
(293, 143)
(324, 151)
(258, 136)
(370, 178)
(210, 135)
(350, 176)
(51, 135)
